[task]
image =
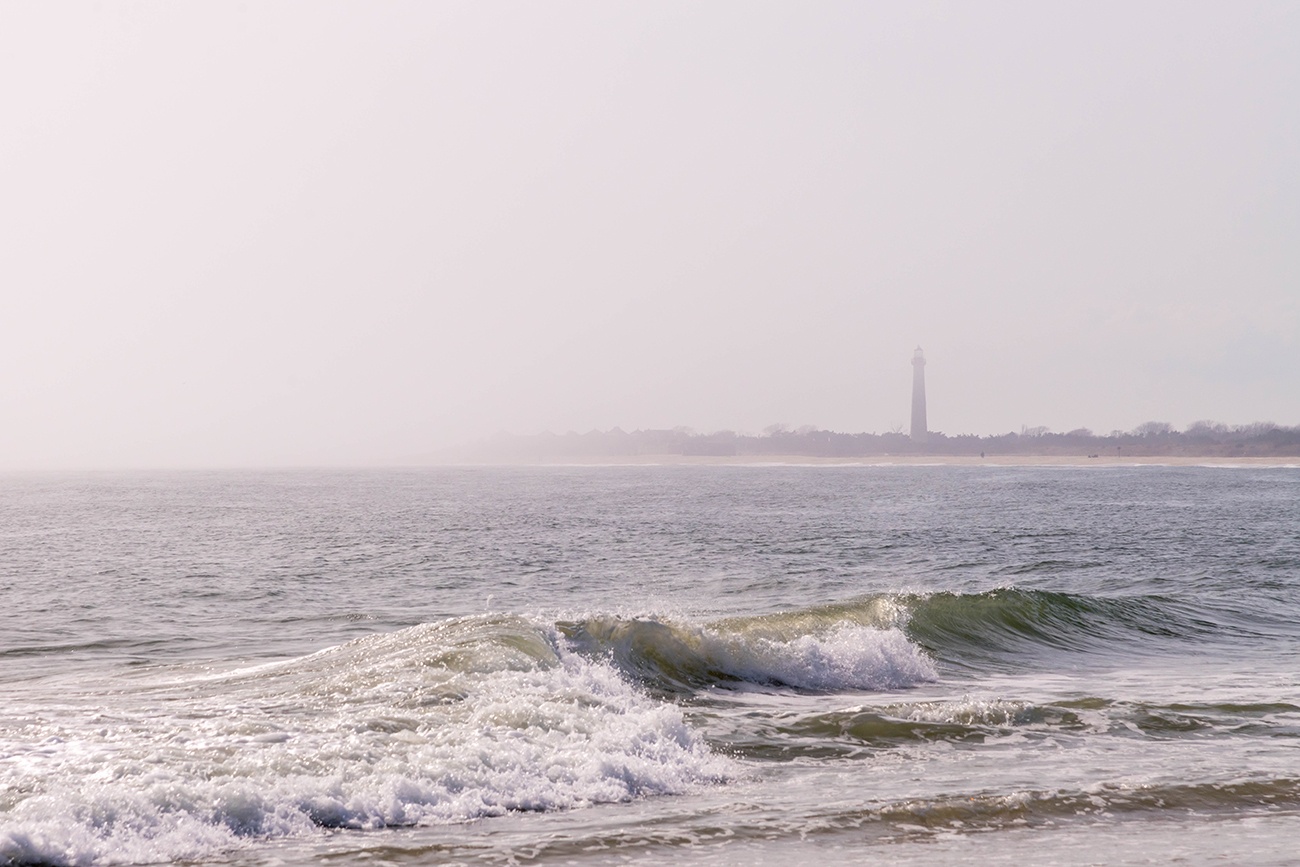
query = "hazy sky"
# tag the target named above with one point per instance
(306, 233)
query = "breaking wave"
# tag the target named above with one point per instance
(882, 641)
(480, 716)
(810, 650)
(439, 723)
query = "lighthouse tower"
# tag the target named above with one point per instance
(918, 396)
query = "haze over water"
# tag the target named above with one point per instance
(690, 664)
(287, 233)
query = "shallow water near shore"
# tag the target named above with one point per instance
(908, 664)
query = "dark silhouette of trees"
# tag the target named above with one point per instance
(1200, 439)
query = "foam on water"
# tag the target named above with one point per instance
(435, 724)
(818, 655)
(848, 657)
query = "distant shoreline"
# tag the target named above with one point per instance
(1259, 444)
(894, 460)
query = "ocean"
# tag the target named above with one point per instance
(773, 665)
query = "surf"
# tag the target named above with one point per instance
(440, 723)
(801, 650)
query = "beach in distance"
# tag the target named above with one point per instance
(904, 461)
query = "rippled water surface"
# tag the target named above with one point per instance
(769, 665)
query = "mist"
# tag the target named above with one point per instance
(350, 234)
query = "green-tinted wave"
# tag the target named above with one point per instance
(850, 647)
(970, 628)
(883, 640)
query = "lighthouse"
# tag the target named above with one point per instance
(918, 396)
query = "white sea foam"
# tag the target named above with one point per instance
(430, 725)
(968, 711)
(846, 657)
(809, 650)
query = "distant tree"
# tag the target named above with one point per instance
(776, 429)
(1206, 429)
(1152, 428)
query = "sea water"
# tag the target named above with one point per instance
(766, 665)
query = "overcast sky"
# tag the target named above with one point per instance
(346, 233)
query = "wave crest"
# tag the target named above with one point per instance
(804, 650)
(965, 628)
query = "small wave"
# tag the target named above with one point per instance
(965, 628)
(926, 819)
(865, 730)
(833, 648)
(973, 721)
(1102, 802)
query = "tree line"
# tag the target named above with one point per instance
(1201, 439)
